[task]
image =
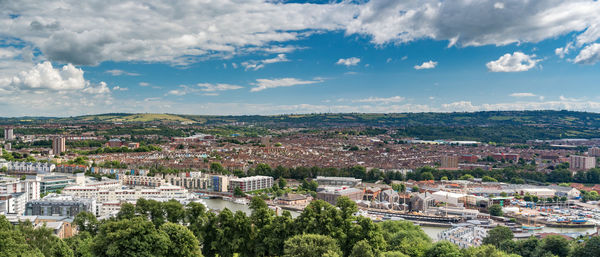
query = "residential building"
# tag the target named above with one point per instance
(63, 205)
(331, 194)
(13, 203)
(8, 134)
(52, 183)
(220, 183)
(594, 151)
(29, 167)
(292, 199)
(142, 180)
(449, 162)
(338, 181)
(253, 183)
(189, 180)
(578, 162)
(70, 168)
(58, 145)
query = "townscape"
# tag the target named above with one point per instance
(58, 177)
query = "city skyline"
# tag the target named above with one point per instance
(274, 57)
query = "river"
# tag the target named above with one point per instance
(218, 204)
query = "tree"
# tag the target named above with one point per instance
(466, 177)
(174, 211)
(556, 245)
(415, 189)
(182, 241)
(591, 247)
(81, 244)
(443, 249)
(12, 243)
(497, 235)
(282, 183)
(130, 237)
(127, 211)
(237, 192)
(44, 239)
(495, 210)
(86, 221)
(485, 251)
(488, 179)
(362, 249)
(311, 245)
(427, 176)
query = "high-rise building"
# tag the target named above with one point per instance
(449, 162)
(58, 145)
(8, 134)
(594, 151)
(577, 162)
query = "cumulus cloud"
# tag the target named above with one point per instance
(426, 65)
(515, 62)
(262, 84)
(259, 64)
(144, 84)
(207, 87)
(523, 95)
(352, 61)
(588, 55)
(43, 77)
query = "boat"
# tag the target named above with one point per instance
(527, 227)
(579, 221)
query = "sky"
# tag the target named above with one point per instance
(235, 57)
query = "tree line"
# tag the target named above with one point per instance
(152, 228)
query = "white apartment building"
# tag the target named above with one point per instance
(253, 183)
(30, 167)
(141, 181)
(30, 186)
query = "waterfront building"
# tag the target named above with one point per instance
(338, 181)
(331, 194)
(253, 183)
(8, 134)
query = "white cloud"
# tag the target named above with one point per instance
(262, 84)
(588, 55)
(499, 5)
(523, 95)
(426, 65)
(118, 88)
(259, 64)
(177, 92)
(96, 90)
(43, 77)
(562, 51)
(384, 100)
(144, 84)
(352, 61)
(121, 72)
(515, 62)
(207, 87)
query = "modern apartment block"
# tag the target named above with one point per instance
(8, 134)
(594, 151)
(220, 183)
(331, 194)
(338, 181)
(578, 162)
(62, 205)
(58, 145)
(251, 183)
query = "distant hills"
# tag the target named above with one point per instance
(491, 126)
(489, 118)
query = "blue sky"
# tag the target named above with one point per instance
(256, 57)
